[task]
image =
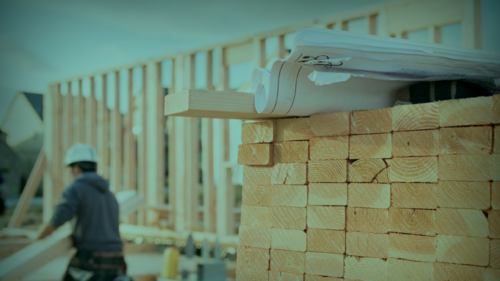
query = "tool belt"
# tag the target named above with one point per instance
(99, 261)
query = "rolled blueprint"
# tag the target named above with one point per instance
(291, 92)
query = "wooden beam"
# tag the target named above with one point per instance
(11, 245)
(172, 190)
(37, 254)
(68, 136)
(207, 159)
(53, 121)
(239, 54)
(91, 115)
(132, 231)
(178, 152)
(103, 142)
(130, 202)
(225, 188)
(81, 113)
(435, 34)
(40, 252)
(282, 51)
(471, 24)
(259, 52)
(117, 141)
(192, 139)
(345, 25)
(142, 148)
(408, 16)
(155, 138)
(130, 154)
(29, 191)
(214, 104)
(372, 24)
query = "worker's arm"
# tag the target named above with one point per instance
(45, 230)
(64, 211)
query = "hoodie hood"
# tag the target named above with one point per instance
(93, 179)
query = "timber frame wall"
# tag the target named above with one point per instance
(74, 118)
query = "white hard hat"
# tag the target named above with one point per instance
(81, 152)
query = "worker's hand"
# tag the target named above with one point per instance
(45, 230)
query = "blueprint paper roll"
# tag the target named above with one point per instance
(291, 92)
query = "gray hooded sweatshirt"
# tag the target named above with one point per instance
(97, 214)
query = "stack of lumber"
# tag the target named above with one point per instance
(404, 193)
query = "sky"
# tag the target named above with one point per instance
(44, 41)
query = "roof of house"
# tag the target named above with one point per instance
(36, 100)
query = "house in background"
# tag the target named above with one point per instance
(22, 140)
(10, 166)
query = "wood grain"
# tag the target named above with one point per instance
(365, 269)
(258, 237)
(325, 264)
(255, 175)
(496, 141)
(495, 167)
(414, 169)
(327, 171)
(369, 195)
(412, 247)
(464, 167)
(288, 261)
(372, 121)
(414, 195)
(249, 274)
(414, 117)
(495, 195)
(285, 276)
(409, 270)
(496, 109)
(494, 223)
(288, 239)
(370, 146)
(461, 222)
(255, 154)
(327, 194)
(289, 195)
(326, 217)
(289, 217)
(412, 221)
(254, 258)
(491, 274)
(462, 112)
(293, 129)
(329, 148)
(415, 143)
(309, 277)
(466, 140)
(368, 170)
(367, 220)
(258, 132)
(367, 244)
(458, 272)
(256, 216)
(325, 241)
(464, 195)
(330, 124)
(289, 173)
(291, 152)
(211, 104)
(463, 250)
(257, 195)
(495, 253)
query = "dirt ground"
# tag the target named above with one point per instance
(32, 220)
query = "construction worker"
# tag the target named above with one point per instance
(96, 226)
